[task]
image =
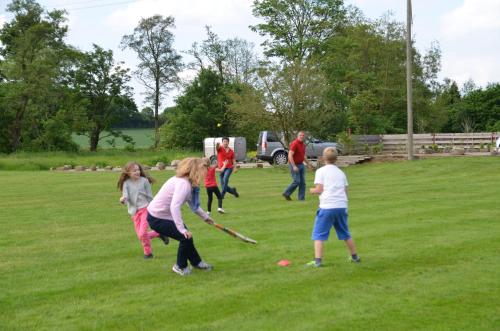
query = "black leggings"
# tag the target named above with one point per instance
(210, 192)
(186, 250)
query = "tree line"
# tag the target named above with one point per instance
(326, 69)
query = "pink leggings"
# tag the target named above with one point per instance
(141, 228)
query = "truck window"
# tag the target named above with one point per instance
(271, 137)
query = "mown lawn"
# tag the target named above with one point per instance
(143, 138)
(427, 231)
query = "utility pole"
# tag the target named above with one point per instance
(409, 89)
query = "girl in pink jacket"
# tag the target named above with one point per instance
(165, 217)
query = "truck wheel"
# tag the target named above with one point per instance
(280, 158)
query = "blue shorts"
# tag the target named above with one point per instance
(325, 219)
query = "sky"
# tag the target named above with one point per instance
(468, 31)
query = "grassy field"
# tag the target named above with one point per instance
(143, 138)
(427, 231)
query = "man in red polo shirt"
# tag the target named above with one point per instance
(296, 159)
(224, 153)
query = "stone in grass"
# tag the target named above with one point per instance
(457, 151)
(160, 166)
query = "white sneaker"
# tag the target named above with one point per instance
(220, 210)
(204, 266)
(208, 213)
(183, 272)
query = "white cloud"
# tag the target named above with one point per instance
(472, 17)
(470, 41)
(73, 21)
(482, 69)
(190, 15)
(227, 18)
(3, 20)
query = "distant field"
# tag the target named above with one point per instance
(427, 231)
(143, 138)
(103, 157)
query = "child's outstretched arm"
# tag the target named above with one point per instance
(317, 189)
(223, 166)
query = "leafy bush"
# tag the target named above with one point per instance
(347, 142)
(377, 149)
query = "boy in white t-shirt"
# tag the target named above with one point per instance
(331, 184)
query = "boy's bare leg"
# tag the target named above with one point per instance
(318, 249)
(351, 246)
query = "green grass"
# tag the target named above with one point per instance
(102, 158)
(143, 138)
(428, 233)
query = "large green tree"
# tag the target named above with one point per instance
(295, 29)
(290, 82)
(365, 67)
(102, 95)
(34, 60)
(479, 110)
(447, 97)
(159, 63)
(233, 59)
(247, 113)
(201, 112)
(285, 99)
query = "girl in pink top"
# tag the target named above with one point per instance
(165, 217)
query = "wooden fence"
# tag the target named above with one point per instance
(396, 143)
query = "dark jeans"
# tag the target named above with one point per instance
(210, 192)
(224, 182)
(186, 250)
(299, 180)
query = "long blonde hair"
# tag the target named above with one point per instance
(193, 168)
(126, 174)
